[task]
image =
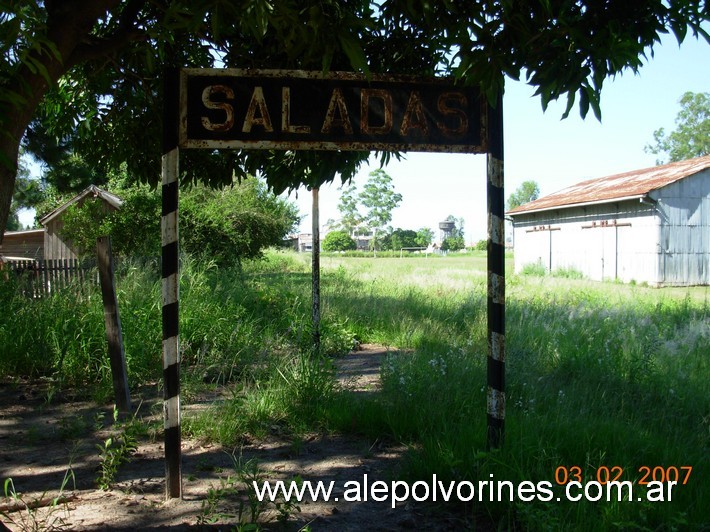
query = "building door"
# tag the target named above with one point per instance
(609, 252)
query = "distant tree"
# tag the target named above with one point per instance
(453, 243)
(425, 236)
(402, 238)
(339, 240)
(458, 229)
(526, 192)
(380, 199)
(455, 240)
(691, 137)
(350, 217)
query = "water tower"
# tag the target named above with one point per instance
(446, 228)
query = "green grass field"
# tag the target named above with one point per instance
(601, 377)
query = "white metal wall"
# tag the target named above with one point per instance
(684, 248)
(608, 241)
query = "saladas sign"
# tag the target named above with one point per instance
(298, 110)
(284, 109)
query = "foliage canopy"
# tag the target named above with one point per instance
(89, 71)
(339, 240)
(526, 192)
(223, 225)
(691, 137)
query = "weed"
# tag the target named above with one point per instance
(41, 513)
(116, 451)
(72, 427)
(227, 502)
(535, 269)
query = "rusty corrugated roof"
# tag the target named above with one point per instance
(628, 185)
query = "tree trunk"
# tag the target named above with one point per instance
(69, 23)
(8, 174)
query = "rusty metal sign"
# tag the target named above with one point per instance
(299, 110)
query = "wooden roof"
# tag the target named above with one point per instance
(90, 191)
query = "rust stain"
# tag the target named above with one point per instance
(626, 185)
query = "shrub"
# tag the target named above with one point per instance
(453, 243)
(338, 241)
(534, 268)
(225, 225)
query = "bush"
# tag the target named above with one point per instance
(338, 241)
(453, 243)
(534, 268)
(568, 273)
(225, 225)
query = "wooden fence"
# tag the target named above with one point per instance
(40, 278)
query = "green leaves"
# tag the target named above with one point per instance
(527, 191)
(104, 91)
(691, 138)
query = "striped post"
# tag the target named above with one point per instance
(496, 278)
(315, 272)
(170, 290)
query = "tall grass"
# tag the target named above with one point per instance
(230, 323)
(598, 374)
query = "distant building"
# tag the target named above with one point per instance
(650, 225)
(48, 243)
(23, 244)
(301, 242)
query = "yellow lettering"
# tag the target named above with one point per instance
(415, 116)
(459, 102)
(386, 116)
(264, 119)
(207, 101)
(337, 103)
(286, 114)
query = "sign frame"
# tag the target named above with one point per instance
(353, 87)
(175, 121)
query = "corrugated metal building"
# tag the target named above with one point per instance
(650, 225)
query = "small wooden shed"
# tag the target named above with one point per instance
(55, 245)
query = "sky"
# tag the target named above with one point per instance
(539, 146)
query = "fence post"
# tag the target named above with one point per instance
(114, 336)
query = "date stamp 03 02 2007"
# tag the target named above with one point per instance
(604, 474)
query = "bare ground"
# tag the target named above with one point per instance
(40, 440)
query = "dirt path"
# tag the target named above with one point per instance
(38, 441)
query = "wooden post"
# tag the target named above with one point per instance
(114, 336)
(315, 268)
(170, 289)
(496, 279)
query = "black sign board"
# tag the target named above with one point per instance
(286, 109)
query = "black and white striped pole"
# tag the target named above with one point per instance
(315, 269)
(496, 278)
(170, 289)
